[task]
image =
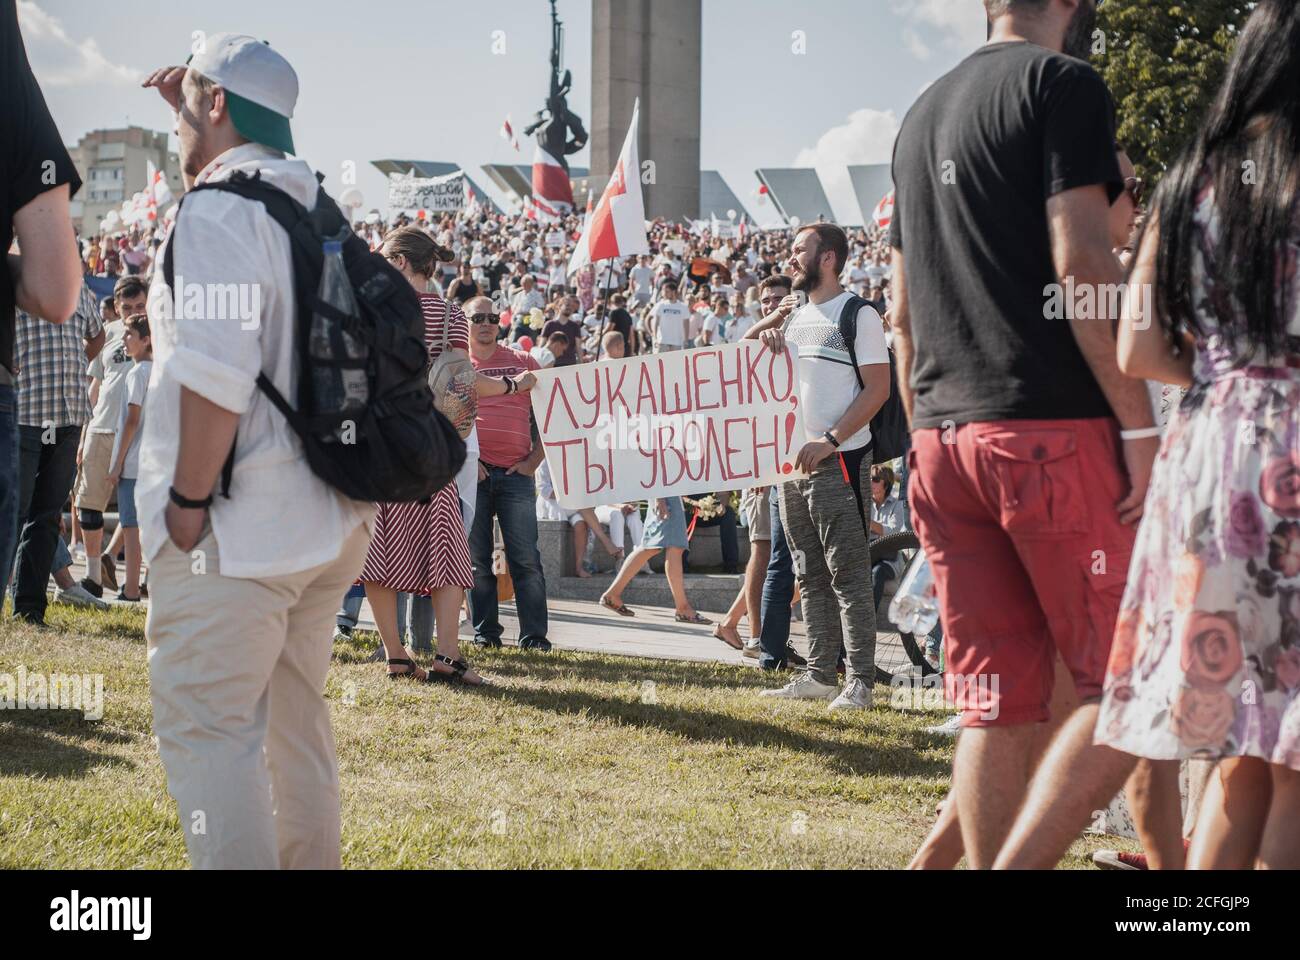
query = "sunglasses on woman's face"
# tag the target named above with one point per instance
(479, 318)
(877, 479)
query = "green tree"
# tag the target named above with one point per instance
(1164, 63)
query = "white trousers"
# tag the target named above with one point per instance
(618, 523)
(237, 674)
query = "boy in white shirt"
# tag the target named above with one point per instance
(126, 454)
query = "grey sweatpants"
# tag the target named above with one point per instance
(832, 561)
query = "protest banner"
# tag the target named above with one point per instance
(690, 421)
(436, 194)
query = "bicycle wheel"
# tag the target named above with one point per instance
(886, 548)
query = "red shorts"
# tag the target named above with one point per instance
(1018, 520)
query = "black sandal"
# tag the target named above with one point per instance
(458, 668)
(430, 676)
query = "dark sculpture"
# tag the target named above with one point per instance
(557, 120)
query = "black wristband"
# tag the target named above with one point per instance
(186, 504)
(830, 438)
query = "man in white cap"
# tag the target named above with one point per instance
(243, 588)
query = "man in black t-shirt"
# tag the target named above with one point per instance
(37, 181)
(1031, 451)
(571, 328)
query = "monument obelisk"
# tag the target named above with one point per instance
(649, 50)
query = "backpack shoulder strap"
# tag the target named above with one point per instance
(305, 248)
(849, 332)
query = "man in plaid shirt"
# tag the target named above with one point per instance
(53, 404)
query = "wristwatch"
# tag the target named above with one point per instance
(186, 504)
(830, 438)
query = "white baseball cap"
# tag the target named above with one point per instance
(261, 88)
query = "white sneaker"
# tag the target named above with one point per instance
(752, 649)
(78, 596)
(949, 728)
(803, 687)
(856, 695)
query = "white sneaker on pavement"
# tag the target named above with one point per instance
(803, 687)
(78, 596)
(856, 695)
(752, 649)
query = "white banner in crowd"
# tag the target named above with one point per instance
(435, 194)
(669, 424)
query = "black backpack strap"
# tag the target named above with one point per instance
(849, 332)
(304, 242)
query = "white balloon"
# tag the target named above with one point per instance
(731, 214)
(794, 221)
(351, 197)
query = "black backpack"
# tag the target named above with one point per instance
(889, 429)
(402, 449)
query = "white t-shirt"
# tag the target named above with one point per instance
(672, 318)
(137, 385)
(644, 279)
(110, 368)
(827, 383)
(543, 356)
(740, 326)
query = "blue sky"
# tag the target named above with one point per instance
(418, 78)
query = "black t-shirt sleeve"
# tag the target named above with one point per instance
(34, 157)
(1078, 133)
(896, 222)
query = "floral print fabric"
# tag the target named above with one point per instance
(1206, 658)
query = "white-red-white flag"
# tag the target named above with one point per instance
(508, 133)
(884, 214)
(616, 227)
(157, 188)
(552, 191)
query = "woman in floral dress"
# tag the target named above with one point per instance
(1206, 659)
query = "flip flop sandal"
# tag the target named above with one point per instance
(458, 668)
(620, 608)
(696, 619)
(738, 645)
(430, 676)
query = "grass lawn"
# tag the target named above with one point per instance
(563, 765)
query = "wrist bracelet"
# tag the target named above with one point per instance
(830, 438)
(1144, 434)
(187, 504)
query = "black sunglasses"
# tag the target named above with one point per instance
(479, 318)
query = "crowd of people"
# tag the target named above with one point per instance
(1106, 546)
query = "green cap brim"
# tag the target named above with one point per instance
(259, 124)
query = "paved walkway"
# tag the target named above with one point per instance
(587, 626)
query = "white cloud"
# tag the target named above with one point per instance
(915, 45)
(60, 61)
(962, 24)
(867, 137)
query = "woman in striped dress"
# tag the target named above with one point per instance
(422, 548)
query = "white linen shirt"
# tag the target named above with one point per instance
(280, 518)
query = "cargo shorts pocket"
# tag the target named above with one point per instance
(1038, 481)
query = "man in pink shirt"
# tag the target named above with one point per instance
(510, 451)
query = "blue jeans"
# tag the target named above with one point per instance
(46, 473)
(8, 482)
(778, 593)
(414, 616)
(512, 499)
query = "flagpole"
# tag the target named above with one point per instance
(600, 338)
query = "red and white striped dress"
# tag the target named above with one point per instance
(418, 547)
